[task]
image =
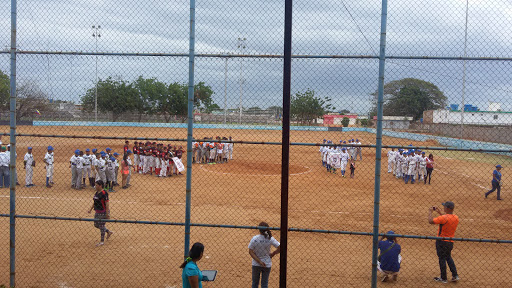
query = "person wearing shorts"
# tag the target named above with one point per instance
(102, 211)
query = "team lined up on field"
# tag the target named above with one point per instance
(338, 157)
(209, 151)
(410, 165)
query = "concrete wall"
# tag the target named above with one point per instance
(496, 134)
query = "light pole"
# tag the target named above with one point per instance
(241, 46)
(225, 90)
(96, 33)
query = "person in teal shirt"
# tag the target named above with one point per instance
(191, 274)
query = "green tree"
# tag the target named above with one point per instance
(149, 92)
(305, 107)
(175, 102)
(116, 96)
(364, 122)
(5, 91)
(203, 97)
(410, 97)
(345, 121)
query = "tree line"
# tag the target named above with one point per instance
(147, 97)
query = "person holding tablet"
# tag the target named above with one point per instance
(259, 249)
(191, 275)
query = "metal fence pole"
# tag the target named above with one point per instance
(190, 124)
(378, 151)
(12, 165)
(287, 69)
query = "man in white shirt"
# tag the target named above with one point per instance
(29, 163)
(16, 156)
(48, 160)
(391, 159)
(359, 150)
(5, 159)
(79, 170)
(72, 165)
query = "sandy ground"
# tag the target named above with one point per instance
(246, 191)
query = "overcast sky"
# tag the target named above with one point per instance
(350, 27)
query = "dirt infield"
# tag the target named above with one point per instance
(246, 191)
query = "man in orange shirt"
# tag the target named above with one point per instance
(447, 222)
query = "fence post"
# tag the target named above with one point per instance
(12, 165)
(378, 151)
(287, 69)
(190, 122)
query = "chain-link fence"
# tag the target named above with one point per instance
(91, 75)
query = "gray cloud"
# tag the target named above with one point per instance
(434, 28)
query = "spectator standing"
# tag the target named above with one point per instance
(430, 168)
(29, 164)
(496, 182)
(389, 257)
(125, 170)
(102, 211)
(259, 249)
(191, 276)
(448, 223)
(4, 168)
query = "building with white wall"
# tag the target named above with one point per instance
(470, 117)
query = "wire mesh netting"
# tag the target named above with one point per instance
(106, 85)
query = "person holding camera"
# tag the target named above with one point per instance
(389, 258)
(447, 222)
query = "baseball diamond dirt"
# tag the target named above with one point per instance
(246, 191)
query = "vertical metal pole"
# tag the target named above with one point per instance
(96, 92)
(464, 73)
(190, 123)
(225, 90)
(241, 83)
(378, 151)
(285, 161)
(12, 165)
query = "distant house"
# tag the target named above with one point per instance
(335, 120)
(446, 116)
(395, 122)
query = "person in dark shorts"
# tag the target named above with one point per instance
(352, 167)
(102, 211)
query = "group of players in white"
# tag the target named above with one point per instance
(408, 164)
(210, 151)
(338, 157)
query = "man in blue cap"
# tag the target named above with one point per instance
(48, 160)
(422, 170)
(359, 150)
(28, 164)
(101, 168)
(389, 258)
(87, 172)
(411, 169)
(496, 182)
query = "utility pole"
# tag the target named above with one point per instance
(96, 33)
(241, 46)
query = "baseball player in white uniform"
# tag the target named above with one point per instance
(359, 150)
(72, 165)
(398, 164)
(411, 170)
(422, 167)
(344, 158)
(230, 149)
(87, 171)
(48, 160)
(391, 159)
(79, 170)
(405, 165)
(28, 162)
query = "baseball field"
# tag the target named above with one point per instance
(246, 191)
